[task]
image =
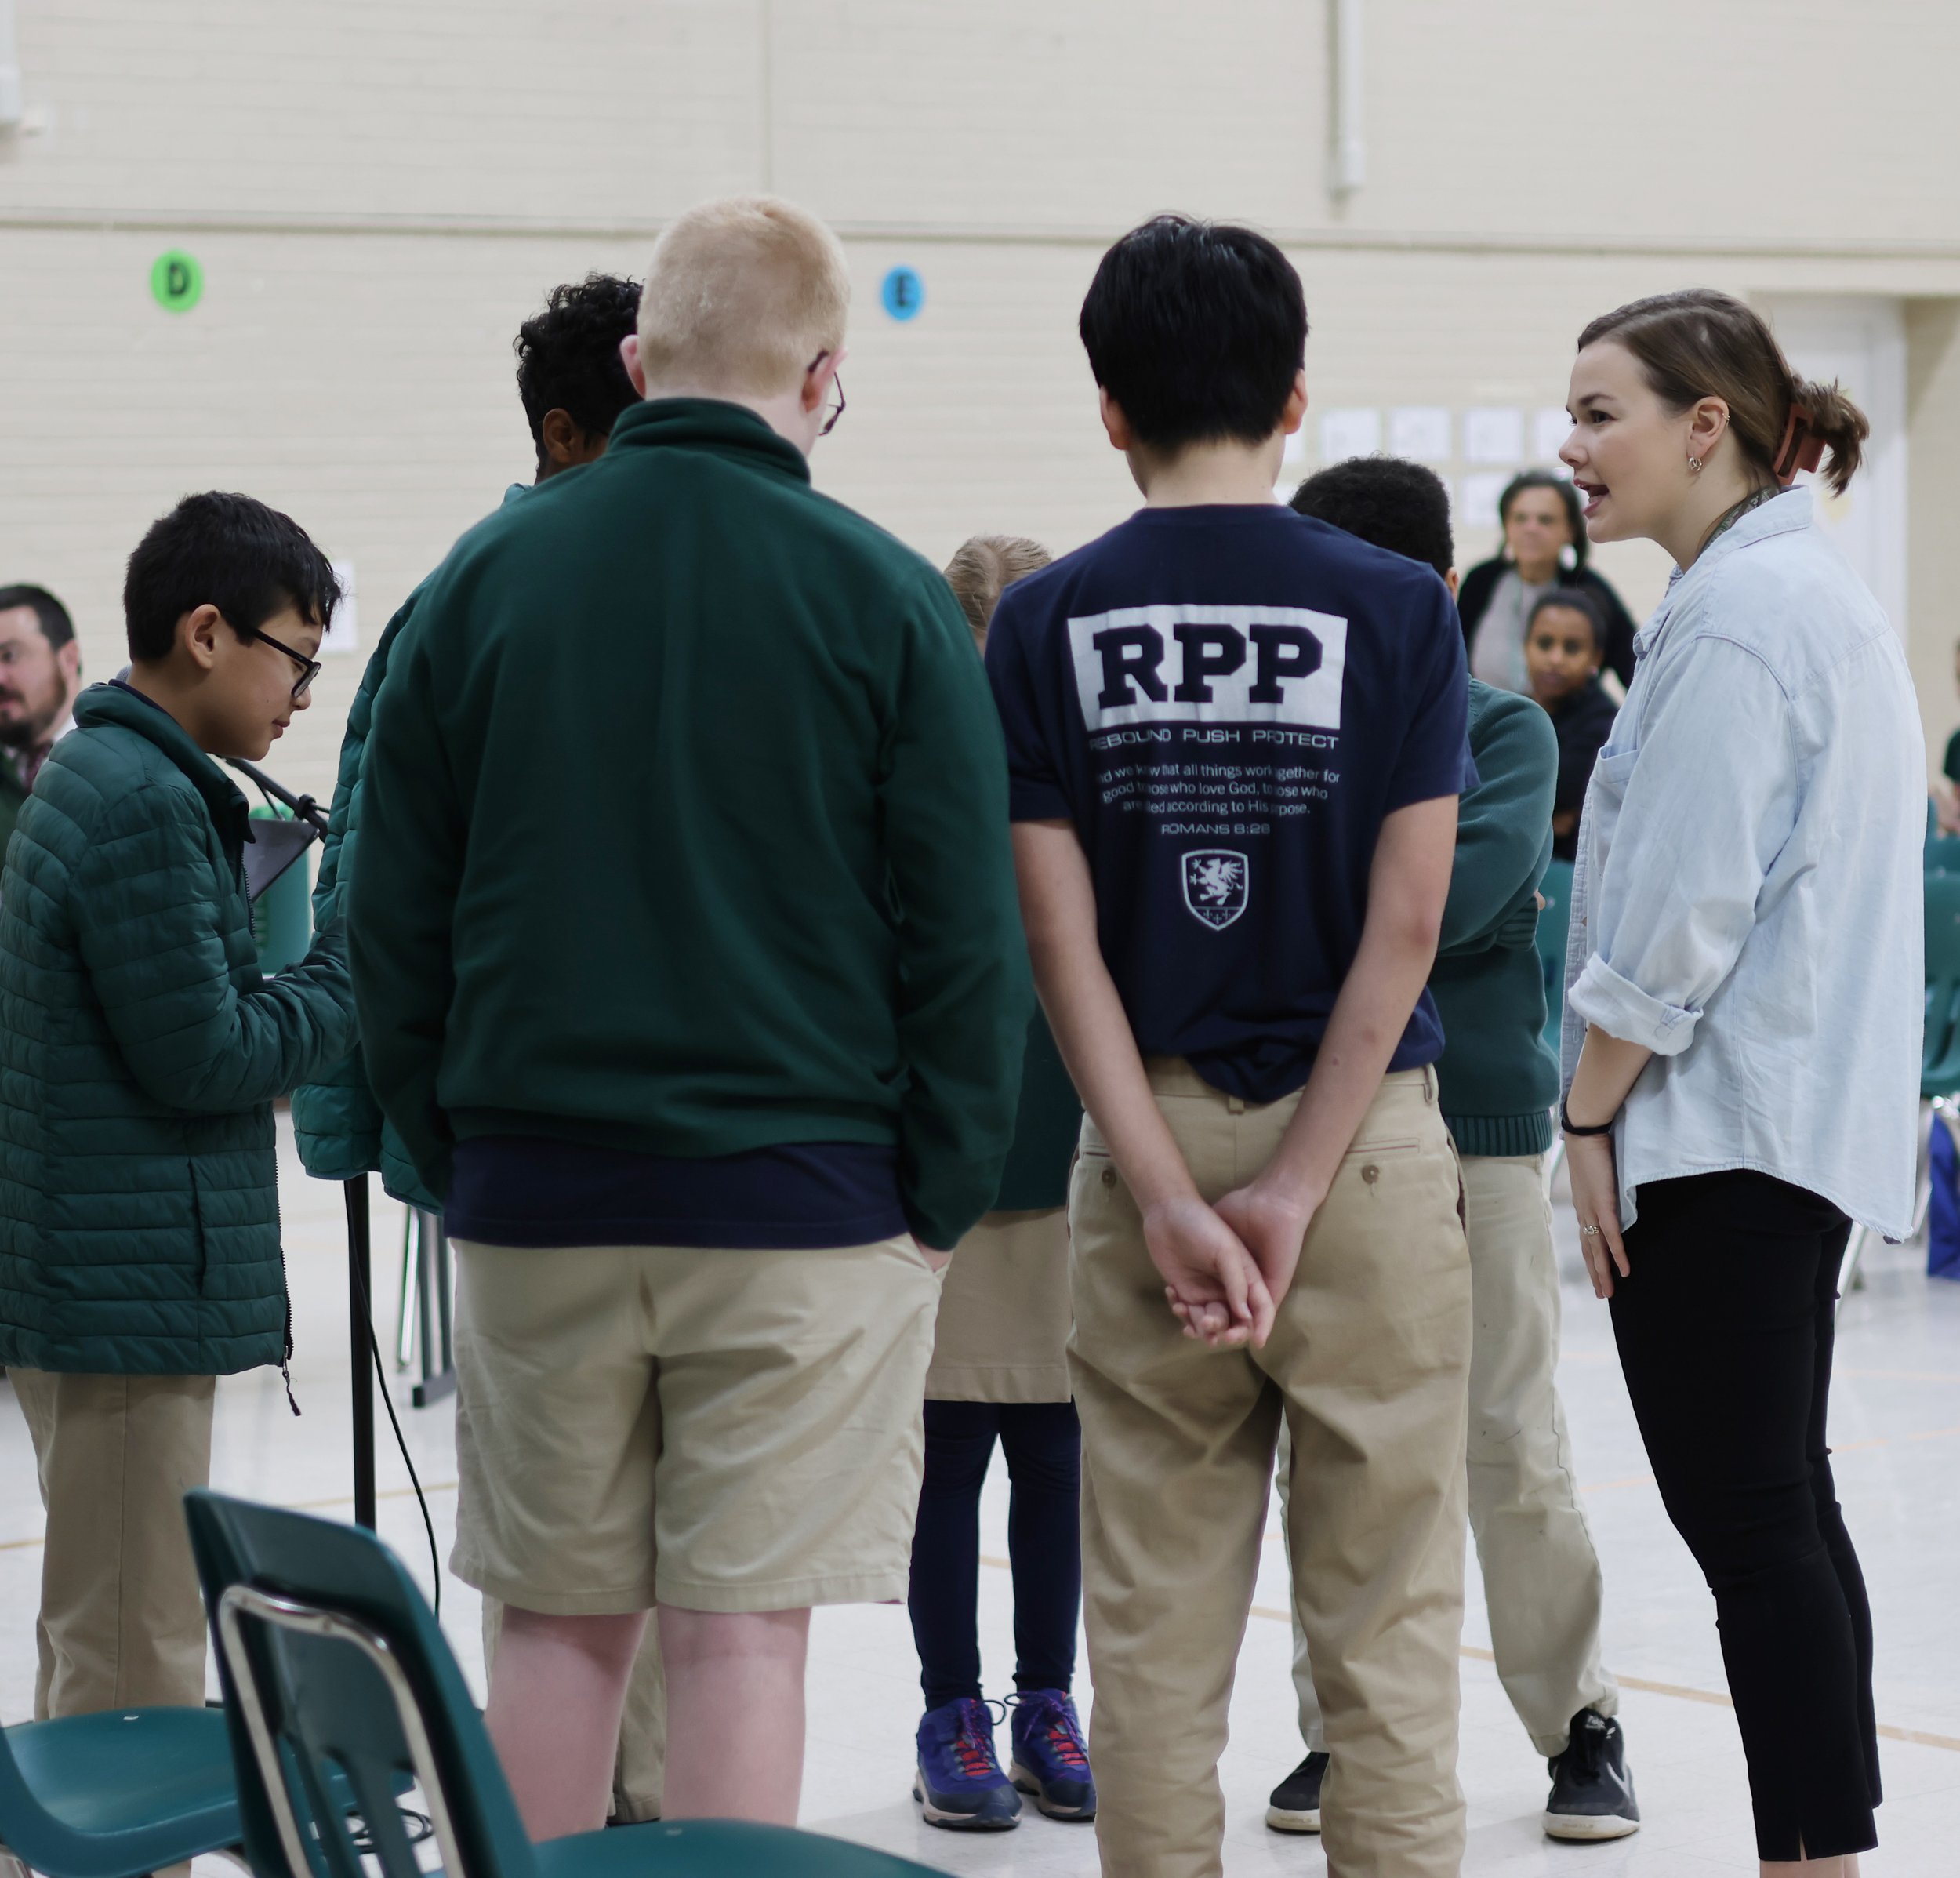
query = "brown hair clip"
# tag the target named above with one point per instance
(1800, 449)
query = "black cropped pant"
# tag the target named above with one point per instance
(1724, 1328)
(1042, 1442)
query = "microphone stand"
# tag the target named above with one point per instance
(305, 808)
(360, 1245)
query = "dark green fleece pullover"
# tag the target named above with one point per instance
(1497, 1077)
(685, 831)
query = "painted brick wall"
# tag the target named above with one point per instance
(379, 193)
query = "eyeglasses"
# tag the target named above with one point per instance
(836, 411)
(309, 668)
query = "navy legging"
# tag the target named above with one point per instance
(1042, 1443)
(1724, 1325)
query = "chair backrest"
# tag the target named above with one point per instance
(332, 1664)
(1940, 1066)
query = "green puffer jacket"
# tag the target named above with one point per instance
(336, 1122)
(140, 1050)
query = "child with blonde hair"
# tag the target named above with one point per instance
(999, 1372)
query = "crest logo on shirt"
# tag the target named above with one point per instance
(1215, 885)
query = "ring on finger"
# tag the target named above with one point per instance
(1589, 1232)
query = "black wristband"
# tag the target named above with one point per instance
(1572, 1128)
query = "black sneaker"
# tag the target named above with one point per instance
(1295, 1804)
(1591, 1791)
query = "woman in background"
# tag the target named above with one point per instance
(1544, 547)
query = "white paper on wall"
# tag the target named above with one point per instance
(1493, 433)
(1549, 430)
(1353, 432)
(1477, 502)
(344, 634)
(1420, 432)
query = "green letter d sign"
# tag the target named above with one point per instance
(177, 282)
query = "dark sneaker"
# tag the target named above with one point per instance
(959, 1782)
(1295, 1804)
(1591, 1791)
(1049, 1760)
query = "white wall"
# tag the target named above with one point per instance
(380, 190)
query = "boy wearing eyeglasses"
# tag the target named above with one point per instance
(140, 1051)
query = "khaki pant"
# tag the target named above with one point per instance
(121, 1622)
(640, 1765)
(1366, 1368)
(1541, 1582)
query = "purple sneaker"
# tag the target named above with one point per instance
(1050, 1760)
(959, 1782)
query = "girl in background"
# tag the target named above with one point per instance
(1562, 650)
(999, 1373)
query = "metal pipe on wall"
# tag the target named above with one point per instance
(9, 70)
(1348, 156)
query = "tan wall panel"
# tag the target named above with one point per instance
(1932, 544)
(399, 107)
(1804, 121)
(1673, 120)
(1094, 113)
(364, 383)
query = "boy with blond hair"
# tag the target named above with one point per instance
(707, 1032)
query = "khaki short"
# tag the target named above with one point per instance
(712, 1430)
(1003, 1317)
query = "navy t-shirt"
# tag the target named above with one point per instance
(1226, 702)
(510, 1189)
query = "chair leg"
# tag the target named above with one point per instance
(1922, 1187)
(406, 1306)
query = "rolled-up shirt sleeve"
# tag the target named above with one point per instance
(1710, 797)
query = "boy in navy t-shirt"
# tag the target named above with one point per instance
(1235, 739)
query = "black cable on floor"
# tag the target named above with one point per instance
(401, 1441)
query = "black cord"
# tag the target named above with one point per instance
(400, 1441)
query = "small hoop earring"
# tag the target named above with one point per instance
(1694, 465)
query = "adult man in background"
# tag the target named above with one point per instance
(688, 965)
(40, 679)
(572, 383)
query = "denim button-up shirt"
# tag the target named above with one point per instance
(1747, 902)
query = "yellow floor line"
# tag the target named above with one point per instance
(338, 1499)
(1899, 1375)
(1714, 1698)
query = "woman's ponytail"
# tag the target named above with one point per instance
(1701, 343)
(1832, 421)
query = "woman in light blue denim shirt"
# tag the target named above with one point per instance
(1743, 1014)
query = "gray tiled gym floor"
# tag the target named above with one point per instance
(1896, 1431)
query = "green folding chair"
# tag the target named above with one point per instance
(332, 1665)
(115, 1794)
(1939, 1059)
(1553, 917)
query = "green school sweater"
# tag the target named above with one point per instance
(1497, 1077)
(684, 830)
